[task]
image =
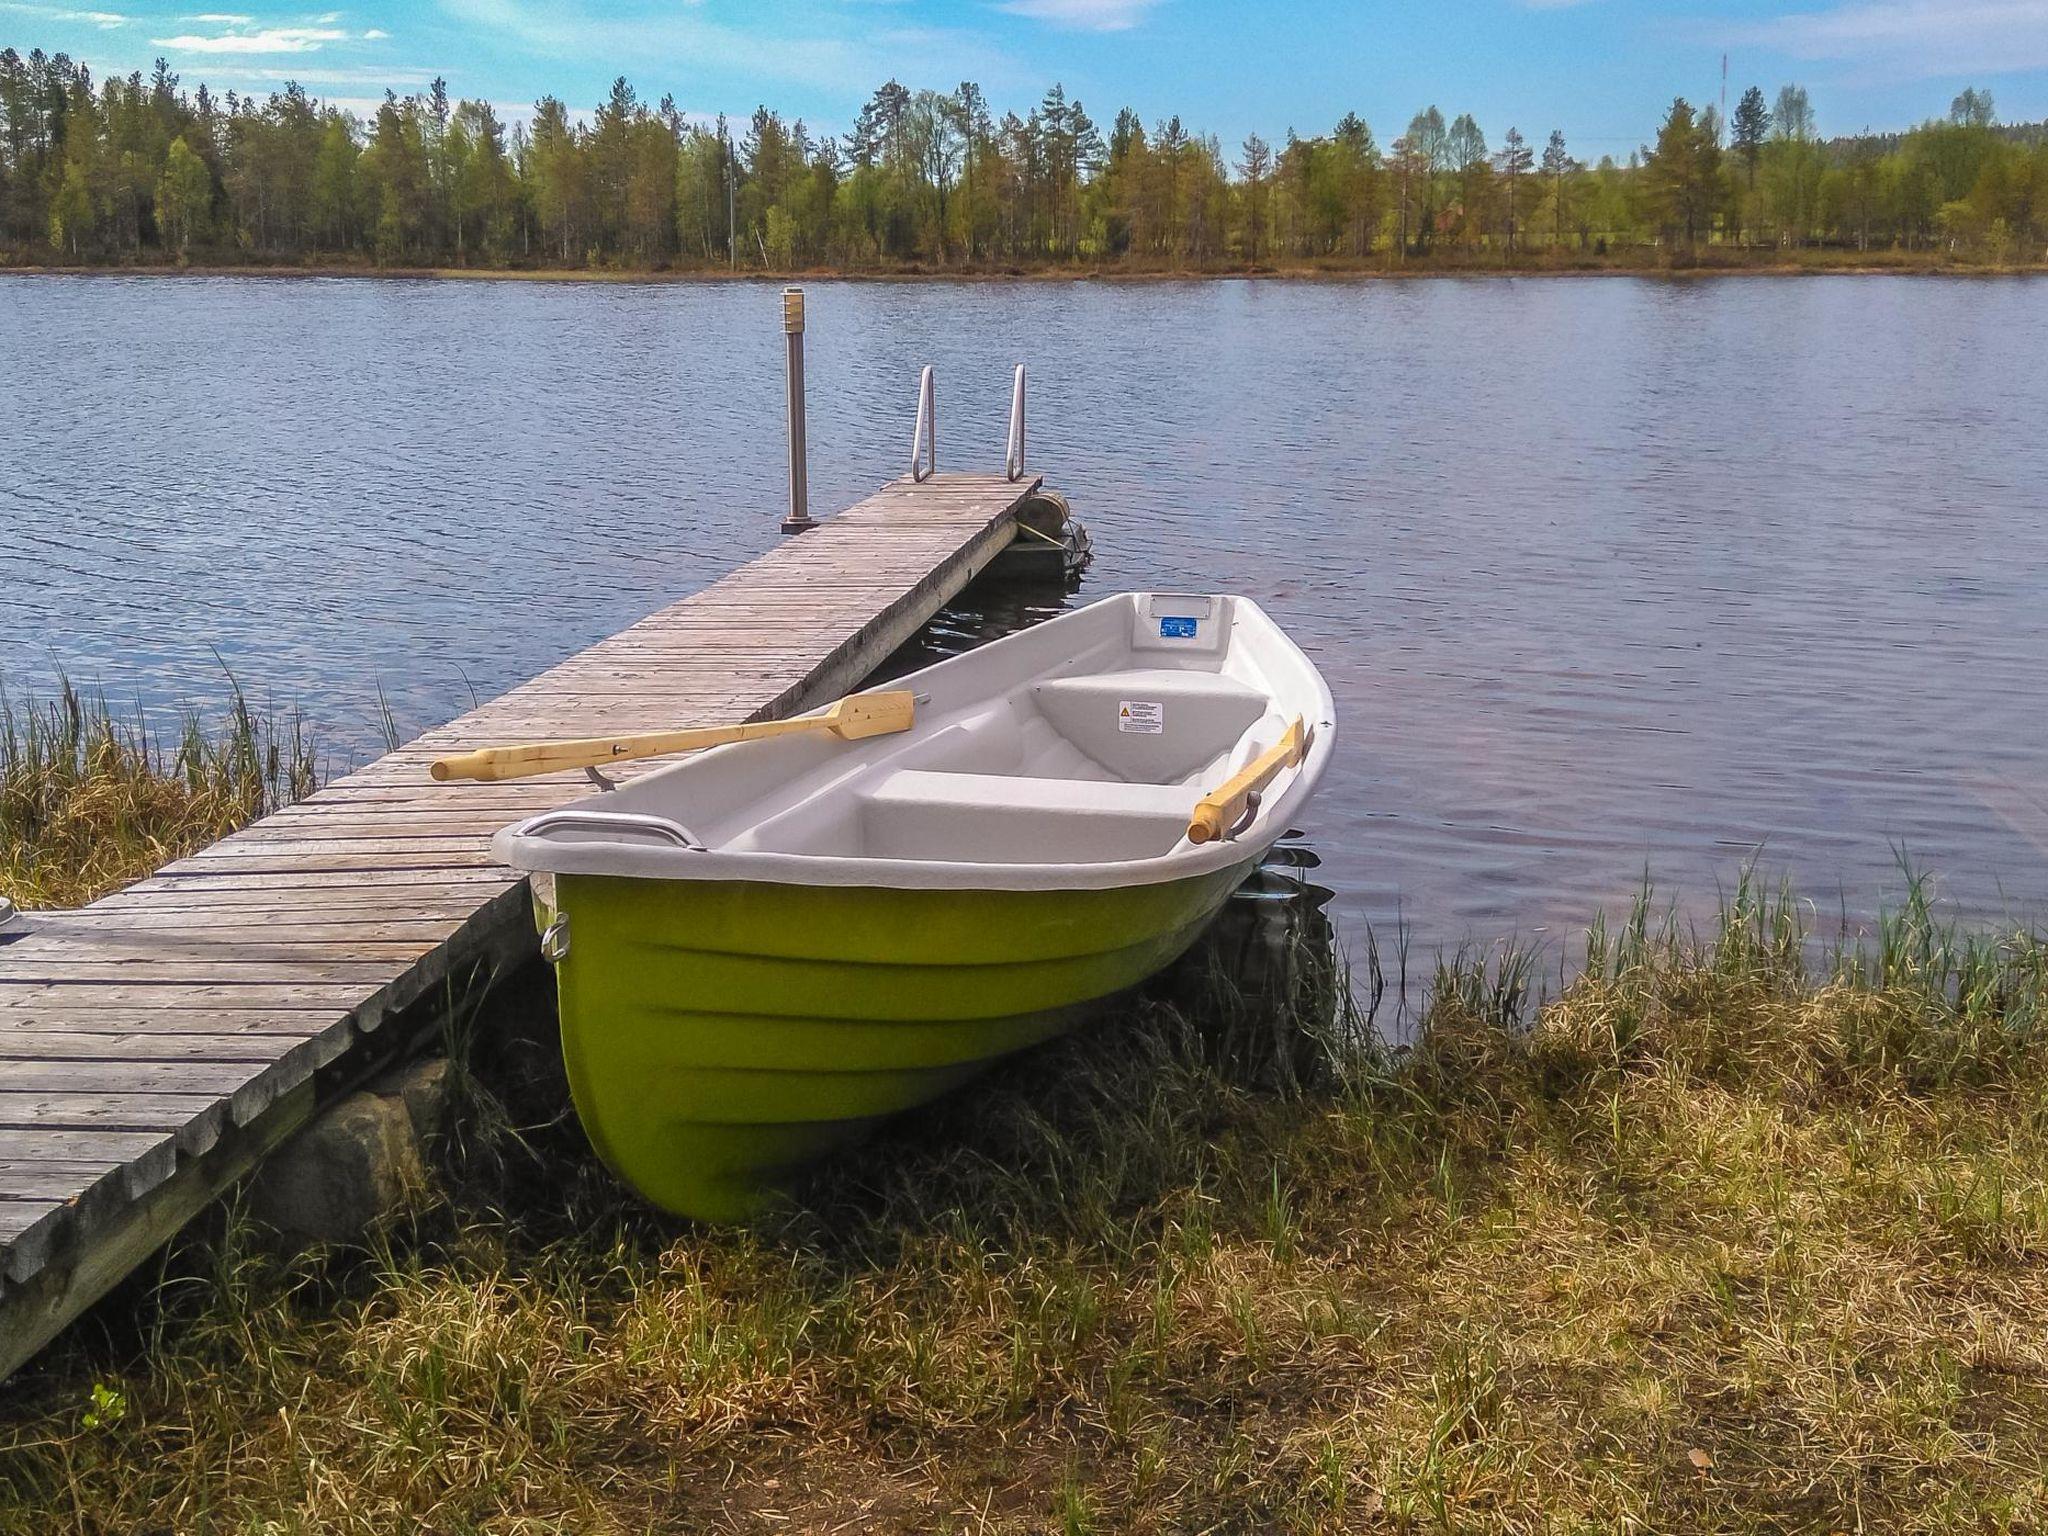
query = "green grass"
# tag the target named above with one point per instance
(1735, 1232)
(89, 802)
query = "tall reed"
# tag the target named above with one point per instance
(90, 801)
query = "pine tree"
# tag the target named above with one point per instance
(1752, 123)
(650, 204)
(970, 109)
(555, 175)
(398, 178)
(1254, 168)
(609, 153)
(1556, 161)
(1681, 175)
(441, 157)
(99, 169)
(1356, 172)
(480, 199)
(1514, 161)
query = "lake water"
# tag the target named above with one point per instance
(1607, 574)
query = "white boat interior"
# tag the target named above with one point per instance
(1073, 752)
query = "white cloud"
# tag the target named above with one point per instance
(314, 76)
(1083, 15)
(656, 37)
(1915, 38)
(269, 40)
(240, 35)
(106, 21)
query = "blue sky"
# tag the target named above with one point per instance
(1603, 70)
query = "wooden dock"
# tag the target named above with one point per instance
(156, 1044)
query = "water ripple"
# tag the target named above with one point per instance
(1607, 575)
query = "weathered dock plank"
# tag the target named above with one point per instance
(155, 1045)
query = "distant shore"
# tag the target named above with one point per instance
(1717, 263)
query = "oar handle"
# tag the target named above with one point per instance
(514, 762)
(1218, 811)
(854, 717)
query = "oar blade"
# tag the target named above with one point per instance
(874, 714)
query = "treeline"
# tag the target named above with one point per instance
(137, 169)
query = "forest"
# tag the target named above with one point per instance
(139, 171)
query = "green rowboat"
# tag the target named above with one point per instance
(765, 949)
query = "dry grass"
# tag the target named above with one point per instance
(88, 803)
(1730, 1235)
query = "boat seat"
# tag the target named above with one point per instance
(992, 818)
(1151, 725)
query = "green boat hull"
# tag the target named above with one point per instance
(720, 1036)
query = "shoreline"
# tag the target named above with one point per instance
(1113, 275)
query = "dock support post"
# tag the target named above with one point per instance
(799, 517)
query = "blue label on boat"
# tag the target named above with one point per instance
(1177, 629)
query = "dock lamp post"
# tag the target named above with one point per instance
(799, 456)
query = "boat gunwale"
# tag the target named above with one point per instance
(1185, 860)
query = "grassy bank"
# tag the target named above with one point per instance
(1730, 1234)
(1625, 261)
(90, 801)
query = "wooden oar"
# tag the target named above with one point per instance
(853, 717)
(1217, 812)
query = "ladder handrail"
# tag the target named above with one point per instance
(924, 446)
(924, 441)
(1013, 460)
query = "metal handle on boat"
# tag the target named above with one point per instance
(632, 823)
(1252, 802)
(554, 942)
(1013, 461)
(924, 445)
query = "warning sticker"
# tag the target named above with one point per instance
(1146, 717)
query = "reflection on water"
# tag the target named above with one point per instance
(1606, 575)
(990, 608)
